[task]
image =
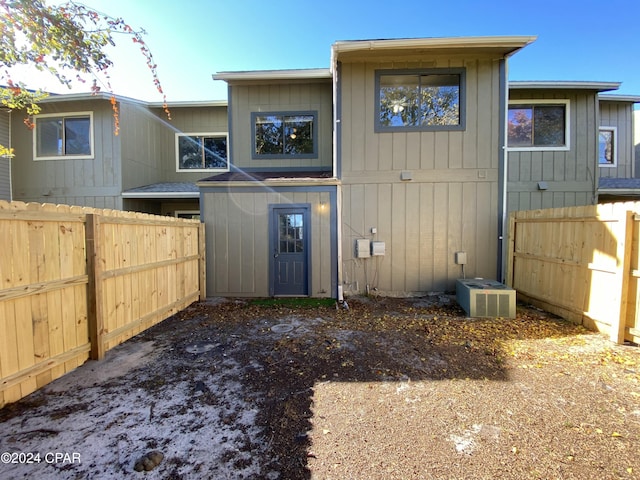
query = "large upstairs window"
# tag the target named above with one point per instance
(284, 135)
(420, 100)
(203, 152)
(538, 125)
(63, 136)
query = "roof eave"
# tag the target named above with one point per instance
(563, 85)
(507, 45)
(620, 98)
(296, 74)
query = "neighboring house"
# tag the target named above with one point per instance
(618, 152)
(393, 171)
(567, 142)
(74, 156)
(5, 163)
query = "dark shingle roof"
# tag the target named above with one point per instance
(164, 189)
(262, 176)
(620, 183)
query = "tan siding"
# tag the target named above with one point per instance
(237, 226)
(450, 204)
(246, 99)
(148, 146)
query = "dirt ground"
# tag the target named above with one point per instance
(386, 389)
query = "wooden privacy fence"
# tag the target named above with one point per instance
(580, 263)
(76, 281)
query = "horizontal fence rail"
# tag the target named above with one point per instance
(76, 281)
(580, 263)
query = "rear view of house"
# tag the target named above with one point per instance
(392, 171)
(370, 175)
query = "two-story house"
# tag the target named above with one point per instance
(391, 171)
(367, 176)
(79, 153)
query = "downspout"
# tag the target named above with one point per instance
(337, 167)
(503, 156)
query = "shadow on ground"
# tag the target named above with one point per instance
(284, 352)
(226, 387)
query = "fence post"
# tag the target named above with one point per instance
(202, 264)
(623, 265)
(511, 249)
(94, 287)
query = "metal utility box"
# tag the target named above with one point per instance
(486, 298)
(363, 248)
(377, 248)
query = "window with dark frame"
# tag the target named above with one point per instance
(420, 100)
(63, 136)
(202, 152)
(290, 135)
(537, 125)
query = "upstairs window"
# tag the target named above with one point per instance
(420, 100)
(201, 152)
(284, 135)
(607, 149)
(538, 125)
(63, 136)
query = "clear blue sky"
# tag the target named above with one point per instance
(192, 39)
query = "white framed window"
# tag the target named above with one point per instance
(607, 147)
(538, 125)
(65, 136)
(202, 152)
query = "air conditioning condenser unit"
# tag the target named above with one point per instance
(486, 298)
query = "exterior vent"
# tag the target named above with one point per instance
(486, 298)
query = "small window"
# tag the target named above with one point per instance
(201, 152)
(189, 214)
(607, 150)
(420, 100)
(541, 126)
(63, 136)
(284, 135)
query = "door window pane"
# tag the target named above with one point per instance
(291, 233)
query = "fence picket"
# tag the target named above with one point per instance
(579, 263)
(77, 281)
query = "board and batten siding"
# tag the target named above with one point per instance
(149, 144)
(237, 231)
(449, 205)
(92, 182)
(286, 97)
(5, 163)
(619, 115)
(570, 175)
